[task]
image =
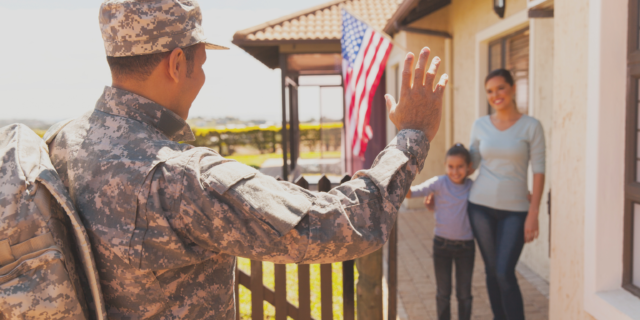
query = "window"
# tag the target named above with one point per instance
(631, 266)
(512, 53)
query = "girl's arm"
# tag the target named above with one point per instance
(424, 189)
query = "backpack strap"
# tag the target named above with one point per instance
(50, 179)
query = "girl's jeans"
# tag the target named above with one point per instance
(445, 253)
(500, 236)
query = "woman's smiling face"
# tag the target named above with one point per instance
(500, 93)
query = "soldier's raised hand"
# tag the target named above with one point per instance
(420, 105)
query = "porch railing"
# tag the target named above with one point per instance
(278, 296)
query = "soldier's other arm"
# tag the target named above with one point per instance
(247, 214)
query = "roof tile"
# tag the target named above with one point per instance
(322, 22)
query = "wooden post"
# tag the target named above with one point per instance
(283, 71)
(369, 287)
(257, 292)
(393, 273)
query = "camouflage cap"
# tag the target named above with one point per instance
(137, 27)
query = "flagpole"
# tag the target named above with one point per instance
(384, 34)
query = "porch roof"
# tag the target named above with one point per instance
(321, 24)
(410, 11)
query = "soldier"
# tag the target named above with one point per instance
(166, 220)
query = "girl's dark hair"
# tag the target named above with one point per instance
(459, 150)
(504, 73)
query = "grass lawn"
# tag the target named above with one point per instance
(292, 289)
(256, 160)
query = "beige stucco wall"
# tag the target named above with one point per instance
(568, 160)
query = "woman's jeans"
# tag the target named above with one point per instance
(445, 253)
(500, 236)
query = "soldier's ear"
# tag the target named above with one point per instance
(177, 64)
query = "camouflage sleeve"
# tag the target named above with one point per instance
(238, 211)
(356, 218)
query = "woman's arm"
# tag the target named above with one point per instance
(531, 224)
(537, 151)
(474, 148)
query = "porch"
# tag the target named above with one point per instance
(416, 277)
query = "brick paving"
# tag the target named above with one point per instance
(416, 279)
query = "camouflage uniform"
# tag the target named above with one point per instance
(166, 219)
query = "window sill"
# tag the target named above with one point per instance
(615, 304)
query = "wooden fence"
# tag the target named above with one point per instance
(278, 297)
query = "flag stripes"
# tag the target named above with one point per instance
(365, 52)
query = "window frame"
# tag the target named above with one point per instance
(632, 187)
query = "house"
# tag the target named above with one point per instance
(577, 65)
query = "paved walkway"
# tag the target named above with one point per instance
(416, 280)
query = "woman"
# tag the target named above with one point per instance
(503, 217)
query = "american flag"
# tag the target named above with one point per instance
(364, 56)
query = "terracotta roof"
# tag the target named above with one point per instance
(322, 22)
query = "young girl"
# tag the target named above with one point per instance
(453, 242)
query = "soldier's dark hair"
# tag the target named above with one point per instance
(459, 150)
(140, 67)
(504, 73)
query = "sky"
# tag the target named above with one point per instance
(54, 65)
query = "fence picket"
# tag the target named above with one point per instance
(304, 281)
(302, 182)
(324, 185)
(237, 290)
(280, 276)
(304, 292)
(326, 292)
(257, 292)
(348, 290)
(348, 280)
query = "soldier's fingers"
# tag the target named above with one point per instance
(431, 74)
(405, 87)
(442, 84)
(422, 64)
(390, 101)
